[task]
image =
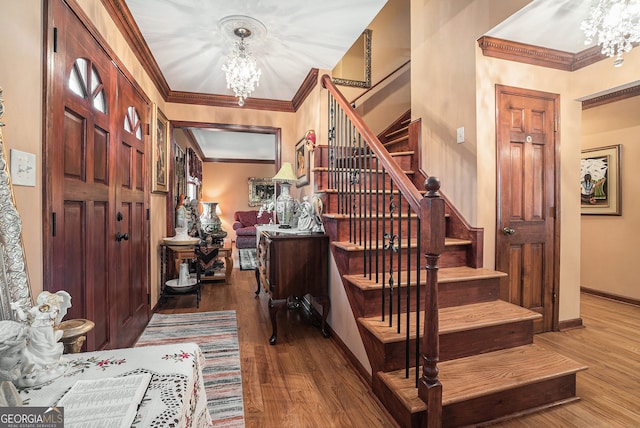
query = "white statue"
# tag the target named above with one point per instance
(41, 357)
(305, 222)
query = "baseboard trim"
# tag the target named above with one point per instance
(570, 324)
(610, 296)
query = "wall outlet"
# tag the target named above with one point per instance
(460, 135)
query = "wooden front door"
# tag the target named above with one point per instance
(130, 312)
(86, 186)
(526, 245)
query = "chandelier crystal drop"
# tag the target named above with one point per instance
(614, 25)
(241, 69)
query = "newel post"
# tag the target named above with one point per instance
(432, 241)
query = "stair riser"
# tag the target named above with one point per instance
(342, 203)
(368, 161)
(354, 261)
(512, 401)
(518, 400)
(391, 356)
(398, 146)
(342, 229)
(368, 180)
(450, 294)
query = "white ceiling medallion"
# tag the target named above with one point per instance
(241, 69)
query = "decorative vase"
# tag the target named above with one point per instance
(209, 220)
(285, 206)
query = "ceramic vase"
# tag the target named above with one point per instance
(209, 220)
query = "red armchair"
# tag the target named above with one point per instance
(245, 227)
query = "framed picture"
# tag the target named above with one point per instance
(160, 152)
(302, 163)
(600, 187)
(261, 191)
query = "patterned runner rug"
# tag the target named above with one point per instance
(217, 335)
(248, 260)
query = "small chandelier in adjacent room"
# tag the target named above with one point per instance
(241, 69)
(614, 25)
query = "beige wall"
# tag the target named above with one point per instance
(21, 79)
(607, 255)
(390, 48)
(227, 184)
(461, 88)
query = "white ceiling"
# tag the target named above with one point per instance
(190, 48)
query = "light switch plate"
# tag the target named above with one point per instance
(460, 135)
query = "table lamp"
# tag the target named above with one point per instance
(285, 204)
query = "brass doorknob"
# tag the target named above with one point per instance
(508, 231)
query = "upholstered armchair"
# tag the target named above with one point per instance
(245, 227)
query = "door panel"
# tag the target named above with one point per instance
(525, 246)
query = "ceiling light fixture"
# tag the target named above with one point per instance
(241, 69)
(615, 25)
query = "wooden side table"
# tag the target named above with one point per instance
(179, 253)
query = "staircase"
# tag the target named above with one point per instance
(480, 363)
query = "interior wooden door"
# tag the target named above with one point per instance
(129, 282)
(526, 245)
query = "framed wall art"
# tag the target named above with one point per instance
(302, 163)
(600, 186)
(261, 191)
(160, 152)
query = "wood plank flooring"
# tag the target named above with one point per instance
(305, 381)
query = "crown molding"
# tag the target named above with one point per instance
(123, 19)
(536, 55)
(622, 94)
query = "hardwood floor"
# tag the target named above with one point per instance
(302, 381)
(609, 390)
(305, 380)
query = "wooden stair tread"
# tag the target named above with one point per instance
(399, 130)
(396, 140)
(452, 319)
(379, 215)
(445, 275)
(479, 375)
(349, 246)
(364, 170)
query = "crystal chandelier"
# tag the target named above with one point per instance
(243, 74)
(615, 25)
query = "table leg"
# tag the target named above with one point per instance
(274, 307)
(326, 305)
(257, 272)
(228, 265)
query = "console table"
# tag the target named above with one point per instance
(293, 265)
(176, 394)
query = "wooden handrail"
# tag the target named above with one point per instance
(406, 187)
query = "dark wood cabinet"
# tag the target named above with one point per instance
(293, 265)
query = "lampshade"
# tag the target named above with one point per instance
(285, 174)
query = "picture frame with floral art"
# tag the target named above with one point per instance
(160, 152)
(302, 163)
(600, 186)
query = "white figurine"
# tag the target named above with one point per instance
(41, 357)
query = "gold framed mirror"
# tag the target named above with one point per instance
(14, 281)
(354, 69)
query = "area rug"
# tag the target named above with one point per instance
(217, 335)
(248, 259)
